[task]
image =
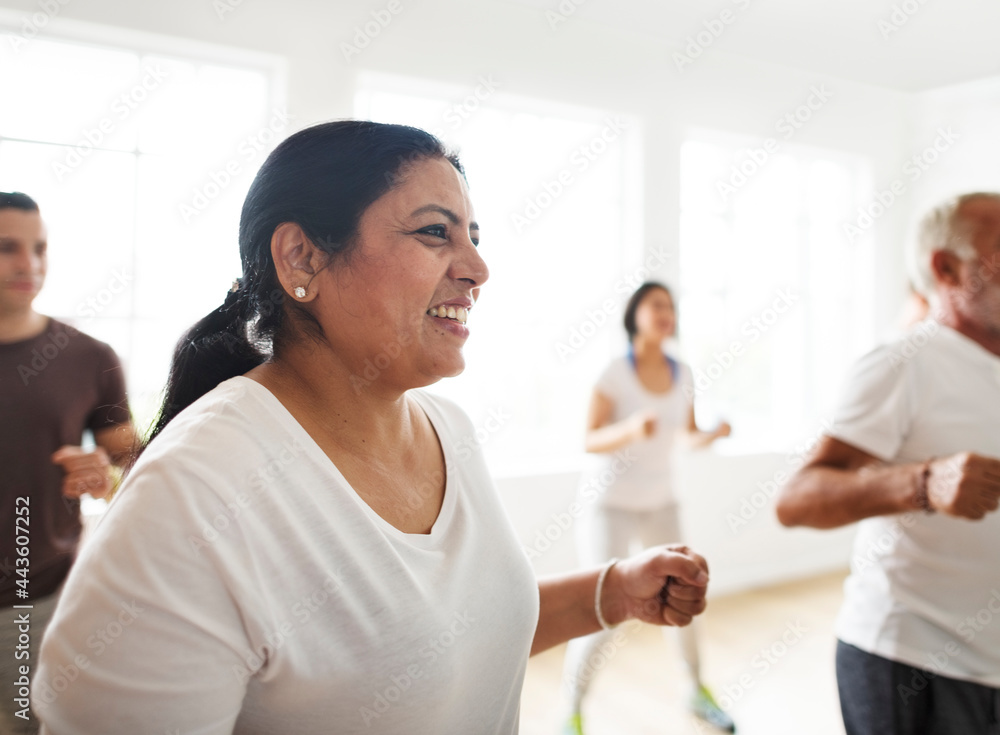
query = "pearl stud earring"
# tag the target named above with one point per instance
(300, 293)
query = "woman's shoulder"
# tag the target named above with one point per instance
(220, 428)
(614, 373)
(447, 412)
(621, 365)
(215, 449)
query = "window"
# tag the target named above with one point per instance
(140, 161)
(555, 191)
(773, 295)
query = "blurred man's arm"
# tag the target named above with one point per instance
(118, 441)
(841, 484)
(91, 472)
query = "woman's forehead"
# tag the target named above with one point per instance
(431, 177)
(658, 294)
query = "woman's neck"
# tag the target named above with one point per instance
(646, 349)
(325, 395)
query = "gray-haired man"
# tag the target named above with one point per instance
(913, 455)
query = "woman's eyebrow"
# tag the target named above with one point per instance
(452, 217)
(436, 208)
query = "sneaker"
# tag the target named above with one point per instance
(704, 706)
(574, 725)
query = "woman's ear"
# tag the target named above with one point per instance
(296, 260)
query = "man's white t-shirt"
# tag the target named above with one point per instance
(640, 476)
(924, 589)
(239, 585)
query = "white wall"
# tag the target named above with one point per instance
(585, 64)
(972, 163)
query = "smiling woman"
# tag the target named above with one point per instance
(417, 258)
(299, 543)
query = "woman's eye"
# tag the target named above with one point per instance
(435, 231)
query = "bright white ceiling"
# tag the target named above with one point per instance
(941, 42)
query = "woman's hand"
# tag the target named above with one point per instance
(665, 585)
(642, 424)
(722, 430)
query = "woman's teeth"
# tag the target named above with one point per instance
(460, 315)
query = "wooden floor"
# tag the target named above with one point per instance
(768, 655)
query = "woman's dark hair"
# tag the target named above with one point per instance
(322, 178)
(17, 200)
(633, 305)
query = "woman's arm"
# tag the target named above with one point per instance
(603, 436)
(632, 589)
(147, 632)
(695, 438)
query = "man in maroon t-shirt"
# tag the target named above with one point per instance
(55, 383)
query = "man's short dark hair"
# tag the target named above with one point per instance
(17, 200)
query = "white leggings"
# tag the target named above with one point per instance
(603, 534)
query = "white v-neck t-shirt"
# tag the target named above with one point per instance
(238, 584)
(925, 589)
(640, 476)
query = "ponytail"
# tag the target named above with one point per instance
(215, 349)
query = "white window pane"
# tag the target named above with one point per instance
(90, 220)
(166, 121)
(193, 251)
(828, 192)
(706, 257)
(203, 110)
(67, 91)
(705, 171)
(153, 341)
(790, 296)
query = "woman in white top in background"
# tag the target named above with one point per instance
(300, 549)
(640, 403)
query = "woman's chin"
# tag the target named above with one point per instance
(441, 370)
(457, 368)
